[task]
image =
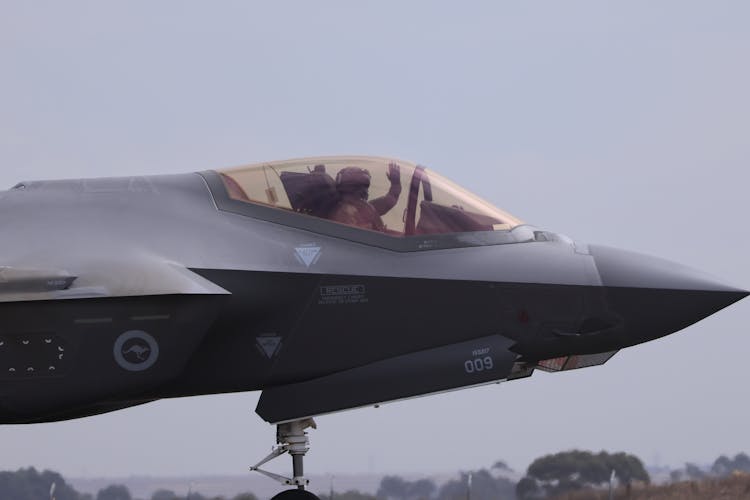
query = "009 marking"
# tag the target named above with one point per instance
(479, 364)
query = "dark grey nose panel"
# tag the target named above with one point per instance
(650, 313)
(621, 268)
(656, 297)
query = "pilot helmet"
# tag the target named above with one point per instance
(353, 180)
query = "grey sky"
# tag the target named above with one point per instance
(619, 123)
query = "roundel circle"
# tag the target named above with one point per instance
(136, 350)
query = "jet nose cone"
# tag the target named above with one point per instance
(656, 297)
(630, 269)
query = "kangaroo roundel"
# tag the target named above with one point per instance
(136, 350)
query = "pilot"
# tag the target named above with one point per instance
(354, 209)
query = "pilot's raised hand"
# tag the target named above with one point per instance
(394, 173)
(389, 200)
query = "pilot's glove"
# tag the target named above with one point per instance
(394, 173)
(386, 202)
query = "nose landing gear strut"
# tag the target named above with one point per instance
(291, 438)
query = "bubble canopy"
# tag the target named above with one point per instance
(392, 197)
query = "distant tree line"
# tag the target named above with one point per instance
(29, 484)
(485, 483)
(722, 467)
(547, 476)
(565, 472)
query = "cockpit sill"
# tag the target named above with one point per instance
(524, 233)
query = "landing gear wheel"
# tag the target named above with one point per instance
(296, 495)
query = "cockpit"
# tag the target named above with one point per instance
(391, 197)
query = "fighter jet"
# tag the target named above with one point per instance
(326, 283)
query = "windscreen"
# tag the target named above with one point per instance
(393, 197)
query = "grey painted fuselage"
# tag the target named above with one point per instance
(120, 291)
